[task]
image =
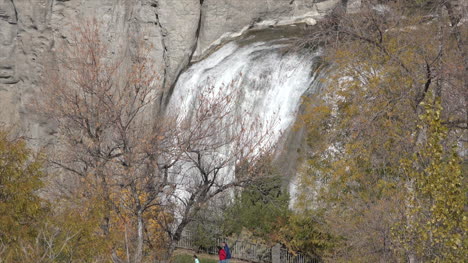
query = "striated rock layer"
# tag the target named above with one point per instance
(180, 31)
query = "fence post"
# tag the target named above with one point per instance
(276, 254)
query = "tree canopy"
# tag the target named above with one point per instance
(385, 134)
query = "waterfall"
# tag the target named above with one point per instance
(271, 78)
(270, 75)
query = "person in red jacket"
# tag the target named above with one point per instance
(222, 255)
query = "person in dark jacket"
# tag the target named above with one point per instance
(222, 255)
(227, 250)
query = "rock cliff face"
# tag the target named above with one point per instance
(180, 30)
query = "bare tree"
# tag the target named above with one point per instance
(220, 150)
(142, 168)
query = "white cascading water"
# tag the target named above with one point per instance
(271, 77)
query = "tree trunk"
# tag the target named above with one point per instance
(455, 19)
(410, 219)
(170, 250)
(139, 246)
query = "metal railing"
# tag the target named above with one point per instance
(244, 250)
(286, 257)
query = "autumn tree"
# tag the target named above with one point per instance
(34, 230)
(384, 64)
(436, 197)
(21, 209)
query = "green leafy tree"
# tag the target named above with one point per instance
(259, 208)
(206, 227)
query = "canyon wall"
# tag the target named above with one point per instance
(179, 30)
